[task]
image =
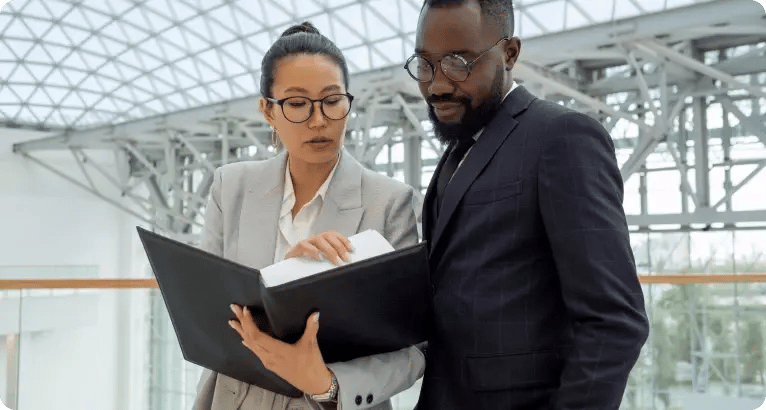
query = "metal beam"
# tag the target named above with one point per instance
(732, 190)
(648, 142)
(526, 73)
(90, 190)
(692, 64)
(672, 26)
(701, 152)
(752, 123)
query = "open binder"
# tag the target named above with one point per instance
(377, 305)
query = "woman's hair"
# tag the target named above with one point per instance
(302, 38)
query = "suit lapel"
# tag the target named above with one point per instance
(260, 209)
(342, 210)
(428, 212)
(490, 140)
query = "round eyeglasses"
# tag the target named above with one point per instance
(454, 66)
(300, 109)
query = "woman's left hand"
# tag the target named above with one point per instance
(300, 364)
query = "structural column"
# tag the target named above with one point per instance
(412, 160)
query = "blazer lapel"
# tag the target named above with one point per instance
(260, 213)
(342, 210)
(490, 140)
(428, 216)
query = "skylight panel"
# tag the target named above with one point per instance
(56, 93)
(40, 71)
(12, 26)
(550, 15)
(55, 77)
(358, 58)
(575, 18)
(381, 26)
(37, 26)
(76, 35)
(305, 7)
(181, 11)
(177, 99)
(19, 47)
(74, 76)
(275, 15)
(38, 97)
(624, 8)
(97, 19)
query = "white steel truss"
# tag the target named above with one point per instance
(642, 77)
(75, 64)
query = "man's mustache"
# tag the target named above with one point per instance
(446, 98)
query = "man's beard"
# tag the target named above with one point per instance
(473, 119)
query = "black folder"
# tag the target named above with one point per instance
(377, 305)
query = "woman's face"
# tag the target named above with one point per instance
(319, 139)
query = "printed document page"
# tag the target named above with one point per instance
(365, 245)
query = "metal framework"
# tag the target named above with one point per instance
(76, 64)
(169, 90)
(642, 77)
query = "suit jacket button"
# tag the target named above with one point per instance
(369, 398)
(358, 400)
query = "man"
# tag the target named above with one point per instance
(536, 299)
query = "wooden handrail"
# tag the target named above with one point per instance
(692, 279)
(148, 283)
(77, 283)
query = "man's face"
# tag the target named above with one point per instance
(460, 109)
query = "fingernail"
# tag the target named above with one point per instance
(233, 309)
(231, 323)
(316, 318)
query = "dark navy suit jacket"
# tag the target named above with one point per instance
(536, 299)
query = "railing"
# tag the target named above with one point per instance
(58, 347)
(669, 279)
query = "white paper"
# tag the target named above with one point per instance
(365, 245)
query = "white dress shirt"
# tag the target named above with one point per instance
(293, 230)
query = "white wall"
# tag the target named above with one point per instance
(46, 221)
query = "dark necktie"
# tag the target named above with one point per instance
(450, 166)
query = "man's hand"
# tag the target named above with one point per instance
(300, 364)
(331, 244)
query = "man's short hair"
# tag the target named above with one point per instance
(502, 10)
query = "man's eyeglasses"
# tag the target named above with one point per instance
(300, 109)
(454, 66)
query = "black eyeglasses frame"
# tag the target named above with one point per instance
(281, 103)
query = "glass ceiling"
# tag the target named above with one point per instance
(92, 62)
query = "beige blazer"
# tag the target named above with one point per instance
(241, 224)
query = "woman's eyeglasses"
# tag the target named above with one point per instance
(300, 109)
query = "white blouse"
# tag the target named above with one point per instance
(293, 230)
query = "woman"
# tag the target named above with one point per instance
(306, 200)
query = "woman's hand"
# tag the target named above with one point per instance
(300, 364)
(332, 244)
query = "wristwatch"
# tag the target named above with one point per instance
(330, 395)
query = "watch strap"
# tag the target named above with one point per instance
(330, 395)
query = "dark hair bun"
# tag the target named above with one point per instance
(304, 27)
